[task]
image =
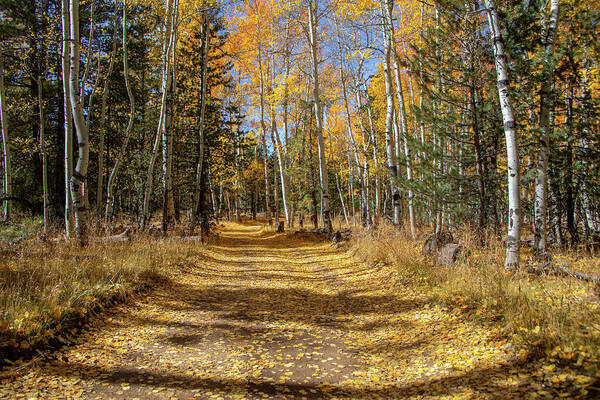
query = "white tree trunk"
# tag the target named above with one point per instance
(6, 206)
(66, 73)
(110, 196)
(389, 116)
(283, 176)
(312, 30)
(165, 78)
(80, 173)
(512, 150)
(541, 184)
(167, 128)
(403, 124)
(45, 202)
(102, 129)
(263, 126)
(339, 188)
(203, 89)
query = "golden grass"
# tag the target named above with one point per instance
(49, 289)
(548, 314)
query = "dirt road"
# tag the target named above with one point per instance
(264, 315)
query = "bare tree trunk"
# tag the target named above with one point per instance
(239, 178)
(165, 80)
(263, 130)
(45, 194)
(512, 149)
(570, 190)
(6, 206)
(213, 201)
(312, 30)
(80, 173)
(280, 159)
(203, 87)
(389, 95)
(377, 208)
(66, 72)
(401, 118)
(102, 129)
(86, 71)
(167, 128)
(482, 214)
(541, 184)
(110, 196)
(339, 188)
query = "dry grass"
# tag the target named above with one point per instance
(548, 314)
(48, 289)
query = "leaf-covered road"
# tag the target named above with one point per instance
(261, 315)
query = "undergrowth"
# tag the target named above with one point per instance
(551, 316)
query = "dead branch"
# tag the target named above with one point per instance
(561, 270)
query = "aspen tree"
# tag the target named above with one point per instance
(401, 118)
(389, 95)
(45, 201)
(80, 172)
(102, 124)
(201, 123)
(6, 206)
(541, 179)
(68, 128)
(512, 150)
(110, 196)
(312, 36)
(168, 36)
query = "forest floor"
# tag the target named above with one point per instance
(263, 315)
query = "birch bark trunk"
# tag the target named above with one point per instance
(512, 150)
(167, 128)
(389, 95)
(281, 155)
(45, 202)
(281, 170)
(541, 179)
(79, 176)
(110, 199)
(203, 86)
(165, 79)
(401, 117)
(102, 124)
(68, 128)
(6, 206)
(312, 18)
(263, 128)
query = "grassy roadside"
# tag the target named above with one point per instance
(49, 291)
(553, 317)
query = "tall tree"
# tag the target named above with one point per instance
(68, 119)
(512, 149)
(7, 181)
(80, 173)
(113, 175)
(169, 34)
(541, 180)
(323, 173)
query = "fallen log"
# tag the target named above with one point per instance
(124, 236)
(561, 270)
(190, 238)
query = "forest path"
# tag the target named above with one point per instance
(264, 315)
